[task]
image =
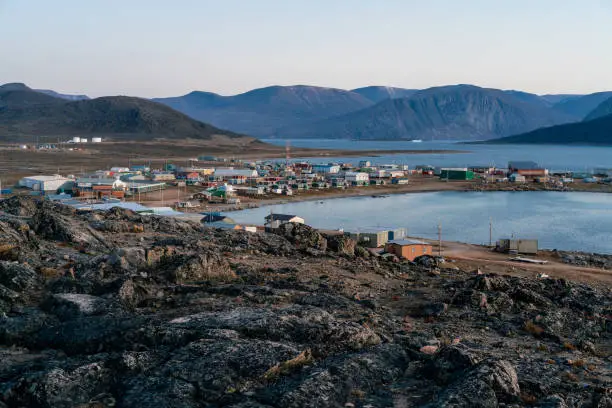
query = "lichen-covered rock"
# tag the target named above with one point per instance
(302, 236)
(18, 277)
(341, 244)
(207, 265)
(68, 306)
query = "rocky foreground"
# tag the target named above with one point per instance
(117, 309)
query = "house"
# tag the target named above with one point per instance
(408, 248)
(521, 246)
(119, 169)
(527, 168)
(370, 239)
(274, 221)
(364, 163)
(165, 176)
(326, 168)
(357, 178)
(517, 178)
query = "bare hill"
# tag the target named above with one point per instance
(117, 116)
(261, 112)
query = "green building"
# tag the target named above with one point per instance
(456, 174)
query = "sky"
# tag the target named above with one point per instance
(154, 48)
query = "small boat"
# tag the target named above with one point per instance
(416, 140)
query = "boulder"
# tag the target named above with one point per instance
(18, 277)
(484, 386)
(57, 223)
(69, 306)
(302, 236)
(341, 244)
(83, 386)
(451, 362)
(207, 265)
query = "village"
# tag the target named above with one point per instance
(207, 186)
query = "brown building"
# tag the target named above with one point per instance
(408, 248)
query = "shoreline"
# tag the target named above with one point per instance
(417, 185)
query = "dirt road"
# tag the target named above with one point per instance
(467, 256)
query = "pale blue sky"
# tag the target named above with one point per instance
(164, 48)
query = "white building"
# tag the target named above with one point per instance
(358, 177)
(326, 168)
(119, 169)
(396, 173)
(47, 183)
(232, 173)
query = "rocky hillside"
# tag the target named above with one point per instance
(592, 132)
(603, 109)
(114, 117)
(261, 112)
(122, 310)
(461, 112)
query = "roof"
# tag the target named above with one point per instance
(235, 172)
(46, 178)
(523, 165)
(280, 217)
(407, 242)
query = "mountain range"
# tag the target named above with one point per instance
(27, 112)
(458, 112)
(461, 112)
(455, 112)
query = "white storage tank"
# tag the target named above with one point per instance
(96, 140)
(83, 140)
(76, 139)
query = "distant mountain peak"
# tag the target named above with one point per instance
(15, 86)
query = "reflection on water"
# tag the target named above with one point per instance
(569, 221)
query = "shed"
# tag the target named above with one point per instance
(370, 239)
(521, 246)
(408, 248)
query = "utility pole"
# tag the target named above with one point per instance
(490, 231)
(439, 239)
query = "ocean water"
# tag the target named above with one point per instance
(554, 157)
(568, 221)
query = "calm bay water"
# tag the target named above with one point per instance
(568, 221)
(556, 158)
